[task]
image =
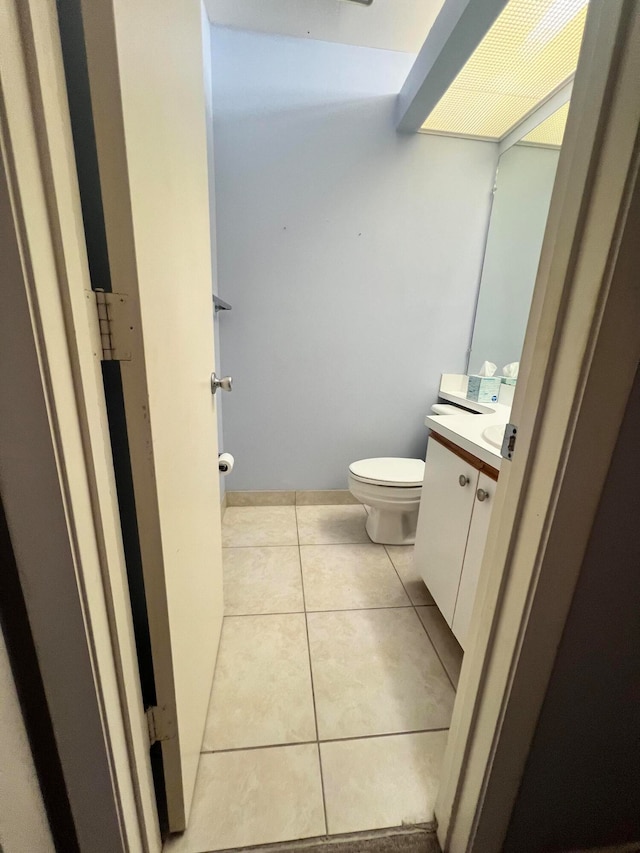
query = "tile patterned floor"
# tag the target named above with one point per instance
(333, 689)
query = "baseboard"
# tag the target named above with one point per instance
(317, 497)
(261, 498)
(325, 497)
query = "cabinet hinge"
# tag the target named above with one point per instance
(116, 325)
(159, 724)
(509, 441)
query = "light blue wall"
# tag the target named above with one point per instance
(351, 256)
(518, 219)
(208, 96)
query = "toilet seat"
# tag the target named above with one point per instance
(389, 471)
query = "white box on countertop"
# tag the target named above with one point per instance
(484, 389)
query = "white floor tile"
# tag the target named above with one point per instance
(259, 525)
(262, 684)
(258, 796)
(331, 525)
(441, 635)
(376, 672)
(340, 577)
(402, 557)
(262, 580)
(380, 782)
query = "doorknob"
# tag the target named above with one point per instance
(225, 383)
(482, 494)
(463, 480)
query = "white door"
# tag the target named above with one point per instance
(476, 542)
(446, 504)
(146, 78)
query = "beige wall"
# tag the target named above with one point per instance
(581, 786)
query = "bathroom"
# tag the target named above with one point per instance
(383, 596)
(368, 272)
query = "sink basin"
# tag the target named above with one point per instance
(494, 434)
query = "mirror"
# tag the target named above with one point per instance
(522, 195)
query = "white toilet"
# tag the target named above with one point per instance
(390, 487)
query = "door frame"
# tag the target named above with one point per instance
(79, 610)
(578, 352)
(580, 356)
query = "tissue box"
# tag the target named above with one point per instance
(508, 380)
(484, 389)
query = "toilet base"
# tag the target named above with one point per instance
(391, 528)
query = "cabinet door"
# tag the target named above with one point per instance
(473, 557)
(448, 493)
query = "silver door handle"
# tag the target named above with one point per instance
(226, 383)
(482, 495)
(463, 480)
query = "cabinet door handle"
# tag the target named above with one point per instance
(482, 495)
(464, 481)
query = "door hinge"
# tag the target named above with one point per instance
(160, 724)
(116, 325)
(509, 441)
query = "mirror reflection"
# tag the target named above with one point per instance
(522, 195)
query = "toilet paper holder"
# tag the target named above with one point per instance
(225, 463)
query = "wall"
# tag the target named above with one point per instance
(350, 254)
(518, 219)
(581, 786)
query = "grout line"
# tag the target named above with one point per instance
(359, 609)
(328, 610)
(270, 613)
(301, 545)
(332, 610)
(424, 627)
(324, 798)
(259, 746)
(435, 648)
(384, 734)
(313, 691)
(236, 547)
(324, 740)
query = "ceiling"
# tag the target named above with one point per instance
(388, 24)
(530, 52)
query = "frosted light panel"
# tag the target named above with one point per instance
(551, 130)
(531, 49)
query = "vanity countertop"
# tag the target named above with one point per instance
(472, 405)
(466, 429)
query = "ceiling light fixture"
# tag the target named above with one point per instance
(549, 132)
(528, 53)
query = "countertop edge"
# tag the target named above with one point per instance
(482, 451)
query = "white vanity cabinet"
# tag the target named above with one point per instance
(476, 541)
(455, 509)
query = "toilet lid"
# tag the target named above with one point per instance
(389, 471)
